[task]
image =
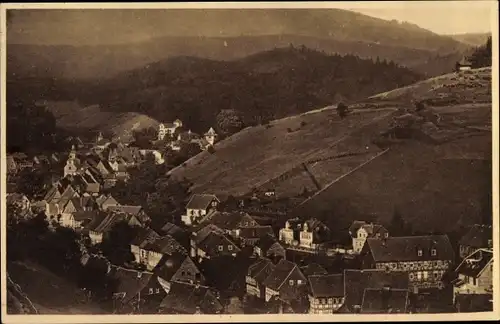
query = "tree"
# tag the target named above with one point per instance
(342, 110)
(482, 56)
(116, 245)
(30, 182)
(398, 226)
(229, 121)
(169, 197)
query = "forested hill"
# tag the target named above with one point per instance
(264, 86)
(232, 34)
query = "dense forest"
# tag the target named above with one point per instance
(261, 87)
(482, 55)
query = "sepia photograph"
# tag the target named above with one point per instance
(286, 161)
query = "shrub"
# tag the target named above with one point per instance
(211, 150)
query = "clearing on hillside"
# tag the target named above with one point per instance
(70, 115)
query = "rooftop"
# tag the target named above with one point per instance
(406, 248)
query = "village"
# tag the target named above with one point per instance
(228, 255)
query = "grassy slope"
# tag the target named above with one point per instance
(274, 151)
(49, 293)
(71, 115)
(434, 186)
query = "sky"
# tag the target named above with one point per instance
(96, 26)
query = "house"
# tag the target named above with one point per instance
(178, 268)
(168, 129)
(269, 247)
(211, 241)
(475, 274)
(256, 275)
(210, 136)
(356, 282)
(198, 206)
(239, 225)
(131, 210)
(424, 259)
(313, 269)
(149, 248)
(326, 293)
(286, 281)
(230, 222)
(77, 211)
(185, 298)
(385, 300)
(290, 234)
(137, 292)
(251, 235)
(360, 231)
(106, 201)
(478, 237)
(310, 234)
(98, 229)
(463, 65)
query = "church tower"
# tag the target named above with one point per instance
(71, 164)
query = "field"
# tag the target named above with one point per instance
(434, 187)
(50, 294)
(72, 116)
(277, 148)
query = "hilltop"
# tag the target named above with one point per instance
(473, 39)
(72, 116)
(233, 34)
(445, 171)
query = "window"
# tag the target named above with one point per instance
(433, 252)
(386, 235)
(426, 275)
(299, 282)
(420, 252)
(221, 248)
(474, 281)
(157, 290)
(290, 282)
(419, 275)
(150, 291)
(330, 300)
(230, 247)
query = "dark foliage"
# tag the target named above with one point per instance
(31, 127)
(116, 245)
(342, 110)
(482, 55)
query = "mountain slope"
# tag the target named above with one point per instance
(232, 34)
(449, 177)
(473, 39)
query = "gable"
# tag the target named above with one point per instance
(187, 268)
(362, 231)
(247, 220)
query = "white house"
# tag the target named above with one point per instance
(168, 128)
(198, 206)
